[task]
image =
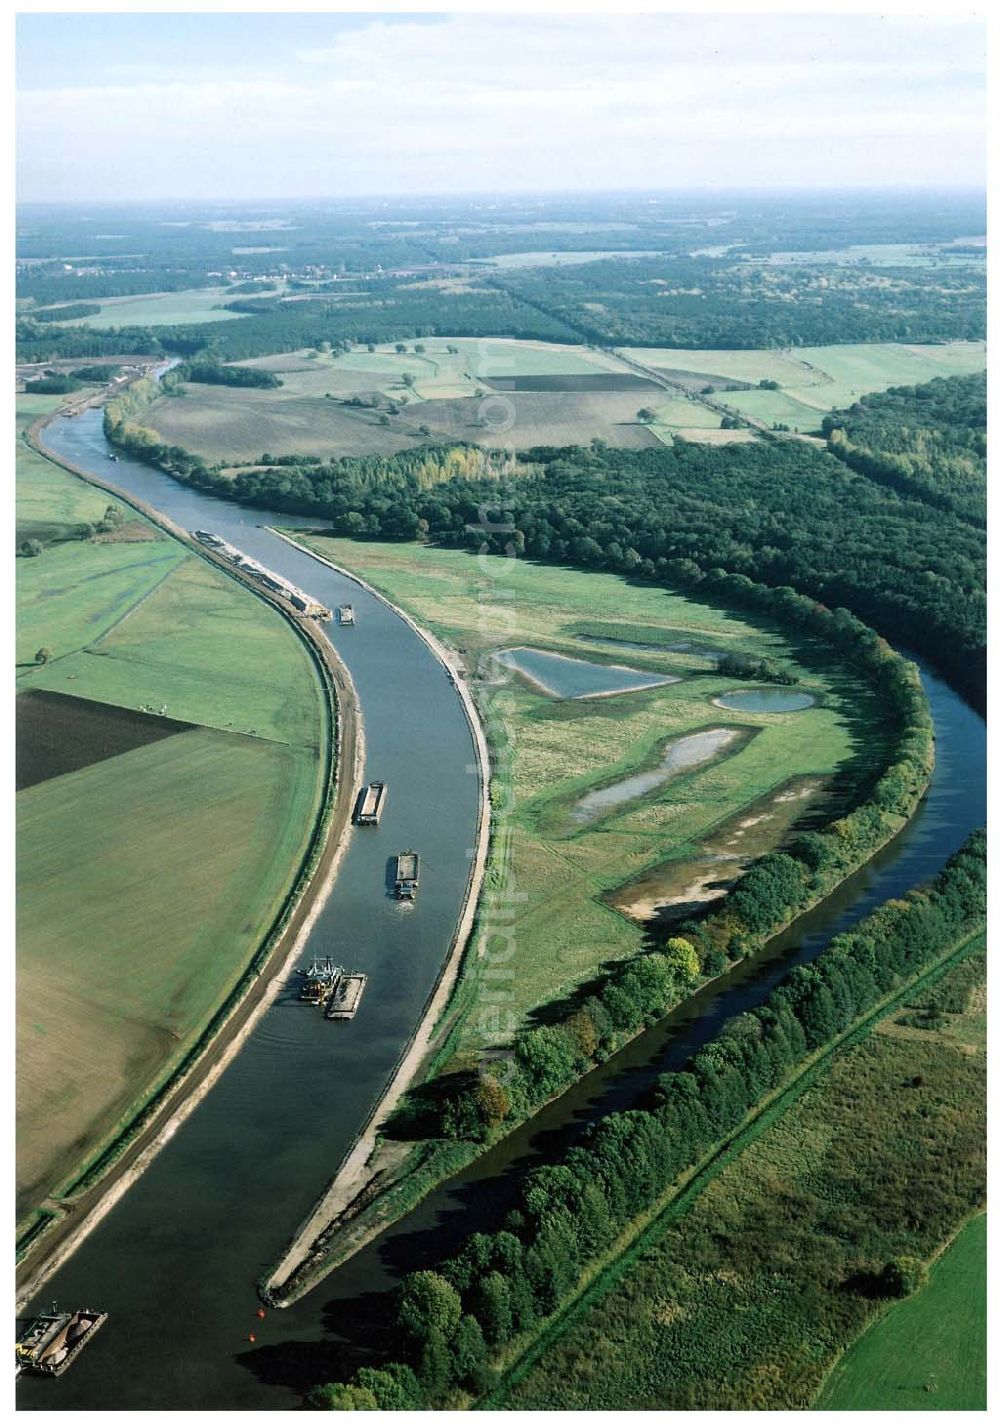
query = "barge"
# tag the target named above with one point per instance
(346, 998)
(50, 1343)
(407, 874)
(370, 804)
(275, 583)
(345, 615)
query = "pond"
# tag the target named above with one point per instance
(562, 676)
(765, 699)
(681, 755)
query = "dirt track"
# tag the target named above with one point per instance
(81, 1215)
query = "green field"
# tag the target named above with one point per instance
(565, 929)
(815, 379)
(145, 881)
(746, 1300)
(161, 309)
(928, 1352)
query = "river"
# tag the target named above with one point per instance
(176, 1261)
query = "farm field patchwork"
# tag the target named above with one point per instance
(746, 1300)
(153, 853)
(813, 380)
(928, 1352)
(563, 749)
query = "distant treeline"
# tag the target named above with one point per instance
(74, 312)
(452, 1323)
(705, 303)
(928, 441)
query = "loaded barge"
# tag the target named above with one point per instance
(370, 804)
(346, 997)
(407, 874)
(345, 615)
(333, 988)
(299, 600)
(50, 1343)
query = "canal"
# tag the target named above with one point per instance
(175, 1262)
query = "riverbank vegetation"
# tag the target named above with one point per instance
(809, 1260)
(153, 861)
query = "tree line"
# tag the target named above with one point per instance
(925, 441)
(452, 1319)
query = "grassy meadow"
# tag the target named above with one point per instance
(161, 309)
(746, 1300)
(928, 1352)
(147, 880)
(549, 752)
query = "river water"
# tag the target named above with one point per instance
(176, 1261)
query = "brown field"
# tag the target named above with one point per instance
(538, 418)
(236, 425)
(57, 733)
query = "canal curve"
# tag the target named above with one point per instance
(210, 1363)
(177, 1260)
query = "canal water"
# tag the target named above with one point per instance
(176, 1261)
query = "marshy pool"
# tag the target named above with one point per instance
(683, 754)
(765, 699)
(563, 676)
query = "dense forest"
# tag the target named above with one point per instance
(720, 302)
(928, 441)
(450, 1322)
(777, 511)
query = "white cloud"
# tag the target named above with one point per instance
(479, 102)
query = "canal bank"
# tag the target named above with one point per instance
(177, 1261)
(325, 1335)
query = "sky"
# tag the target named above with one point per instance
(241, 106)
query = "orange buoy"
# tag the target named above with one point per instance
(261, 1314)
(252, 1339)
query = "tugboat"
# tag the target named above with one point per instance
(51, 1342)
(319, 981)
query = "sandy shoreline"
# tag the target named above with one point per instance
(355, 1172)
(307, 899)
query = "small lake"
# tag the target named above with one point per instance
(681, 755)
(562, 676)
(765, 699)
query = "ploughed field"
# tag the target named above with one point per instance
(57, 734)
(169, 752)
(524, 393)
(609, 802)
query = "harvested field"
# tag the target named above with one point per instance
(608, 382)
(57, 734)
(537, 418)
(234, 425)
